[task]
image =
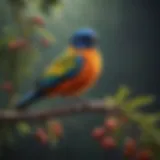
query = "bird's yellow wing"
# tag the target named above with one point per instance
(61, 69)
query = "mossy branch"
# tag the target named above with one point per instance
(94, 106)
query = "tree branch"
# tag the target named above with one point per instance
(94, 106)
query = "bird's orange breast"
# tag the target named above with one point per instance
(85, 79)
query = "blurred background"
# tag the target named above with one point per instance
(129, 40)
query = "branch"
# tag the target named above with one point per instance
(94, 106)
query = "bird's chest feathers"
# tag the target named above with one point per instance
(92, 68)
(88, 75)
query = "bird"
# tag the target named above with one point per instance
(71, 74)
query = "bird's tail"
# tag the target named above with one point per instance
(28, 99)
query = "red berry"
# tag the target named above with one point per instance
(41, 136)
(12, 45)
(111, 124)
(38, 21)
(98, 133)
(108, 143)
(130, 147)
(144, 155)
(17, 44)
(7, 86)
(57, 129)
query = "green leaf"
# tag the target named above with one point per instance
(28, 31)
(110, 102)
(45, 34)
(56, 10)
(10, 33)
(147, 126)
(46, 5)
(10, 30)
(2, 42)
(23, 128)
(54, 2)
(27, 59)
(138, 102)
(6, 39)
(152, 118)
(152, 132)
(122, 94)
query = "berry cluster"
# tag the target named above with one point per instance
(21, 43)
(53, 131)
(105, 135)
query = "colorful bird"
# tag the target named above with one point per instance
(72, 74)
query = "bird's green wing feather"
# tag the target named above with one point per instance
(60, 66)
(59, 70)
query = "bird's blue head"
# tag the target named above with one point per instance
(84, 38)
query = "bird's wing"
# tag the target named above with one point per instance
(63, 68)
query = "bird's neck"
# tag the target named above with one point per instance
(86, 51)
(92, 56)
